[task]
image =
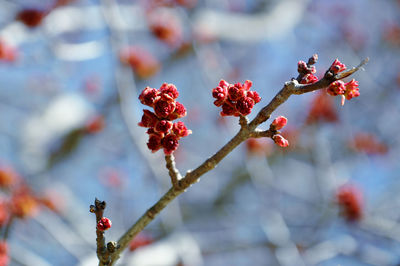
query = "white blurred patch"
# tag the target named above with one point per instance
(179, 247)
(63, 114)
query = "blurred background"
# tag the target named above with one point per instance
(70, 75)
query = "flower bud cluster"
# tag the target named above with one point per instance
(347, 90)
(307, 70)
(276, 125)
(163, 133)
(235, 99)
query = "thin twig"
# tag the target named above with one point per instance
(291, 87)
(172, 170)
(98, 210)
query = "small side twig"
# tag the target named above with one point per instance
(173, 171)
(98, 209)
(263, 133)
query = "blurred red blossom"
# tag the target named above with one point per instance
(141, 240)
(322, 109)
(166, 27)
(7, 52)
(258, 147)
(95, 124)
(52, 200)
(368, 143)
(4, 257)
(142, 62)
(23, 203)
(350, 199)
(112, 177)
(391, 33)
(31, 17)
(8, 177)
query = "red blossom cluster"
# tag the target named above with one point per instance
(142, 62)
(278, 124)
(307, 70)
(163, 133)
(104, 224)
(349, 197)
(235, 99)
(347, 90)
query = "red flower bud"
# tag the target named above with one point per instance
(352, 90)
(254, 95)
(148, 96)
(169, 89)
(280, 141)
(228, 109)
(279, 122)
(235, 92)
(179, 112)
(163, 126)
(244, 105)
(308, 79)
(104, 224)
(337, 66)
(336, 88)
(149, 119)
(154, 143)
(164, 108)
(302, 67)
(170, 143)
(180, 129)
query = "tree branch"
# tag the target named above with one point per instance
(250, 130)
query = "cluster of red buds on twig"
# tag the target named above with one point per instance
(235, 99)
(347, 90)
(163, 133)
